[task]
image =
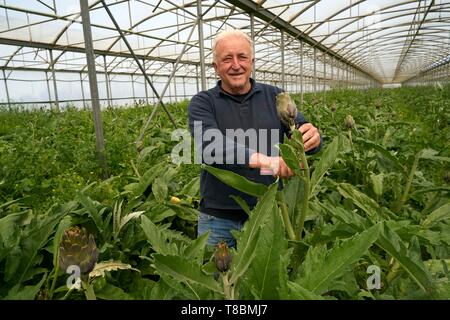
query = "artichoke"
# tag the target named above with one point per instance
(286, 109)
(333, 107)
(349, 122)
(78, 248)
(222, 257)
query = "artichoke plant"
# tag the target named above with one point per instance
(349, 122)
(78, 248)
(286, 109)
(222, 257)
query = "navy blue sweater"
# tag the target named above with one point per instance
(218, 110)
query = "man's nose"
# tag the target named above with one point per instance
(235, 63)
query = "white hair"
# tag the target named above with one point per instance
(237, 33)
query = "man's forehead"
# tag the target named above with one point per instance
(234, 44)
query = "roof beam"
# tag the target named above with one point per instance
(267, 16)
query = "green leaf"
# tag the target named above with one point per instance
(185, 271)
(64, 224)
(326, 161)
(291, 159)
(21, 261)
(192, 188)
(382, 151)
(159, 189)
(247, 238)
(19, 292)
(367, 204)
(267, 274)
(111, 292)
(298, 292)
(92, 210)
(430, 154)
(377, 183)
(439, 214)
(147, 178)
(390, 242)
(242, 203)
(321, 268)
(196, 249)
(158, 237)
(236, 181)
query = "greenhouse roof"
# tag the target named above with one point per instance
(388, 40)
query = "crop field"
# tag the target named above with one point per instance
(368, 217)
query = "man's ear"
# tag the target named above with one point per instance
(215, 66)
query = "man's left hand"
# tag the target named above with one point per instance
(311, 136)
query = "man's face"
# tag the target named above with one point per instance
(234, 64)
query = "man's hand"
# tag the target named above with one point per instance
(270, 165)
(311, 136)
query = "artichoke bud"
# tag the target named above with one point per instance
(222, 257)
(333, 107)
(286, 109)
(349, 122)
(78, 248)
(378, 104)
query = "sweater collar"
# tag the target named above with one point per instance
(256, 87)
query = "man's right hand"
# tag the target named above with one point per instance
(270, 165)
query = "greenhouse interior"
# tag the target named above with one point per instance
(102, 195)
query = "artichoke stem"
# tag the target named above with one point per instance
(89, 291)
(285, 215)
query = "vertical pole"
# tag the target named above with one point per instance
(324, 71)
(132, 89)
(6, 88)
(201, 44)
(48, 89)
(82, 91)
(197, 79)
(301, 73)
(283, 75)
(55, 87)
(108, 94)
(315, 70)
(100, 142)
(145, 83)
(174, 83)
(252, 35)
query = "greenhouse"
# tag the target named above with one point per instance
(105, 190)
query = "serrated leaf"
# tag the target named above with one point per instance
(300, 293)
(183, 270)
(267, 274)
(247, 238)
(19, 292)
(390, 242)
(290, 158)
(382, 151)
(236, 181)
(439, 214)
(367, 204)
(196, 249)
(326, 162)
(158, 237)
(159, 189)
(102, 267)
(335, 262)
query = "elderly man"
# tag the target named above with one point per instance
(239, 103)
